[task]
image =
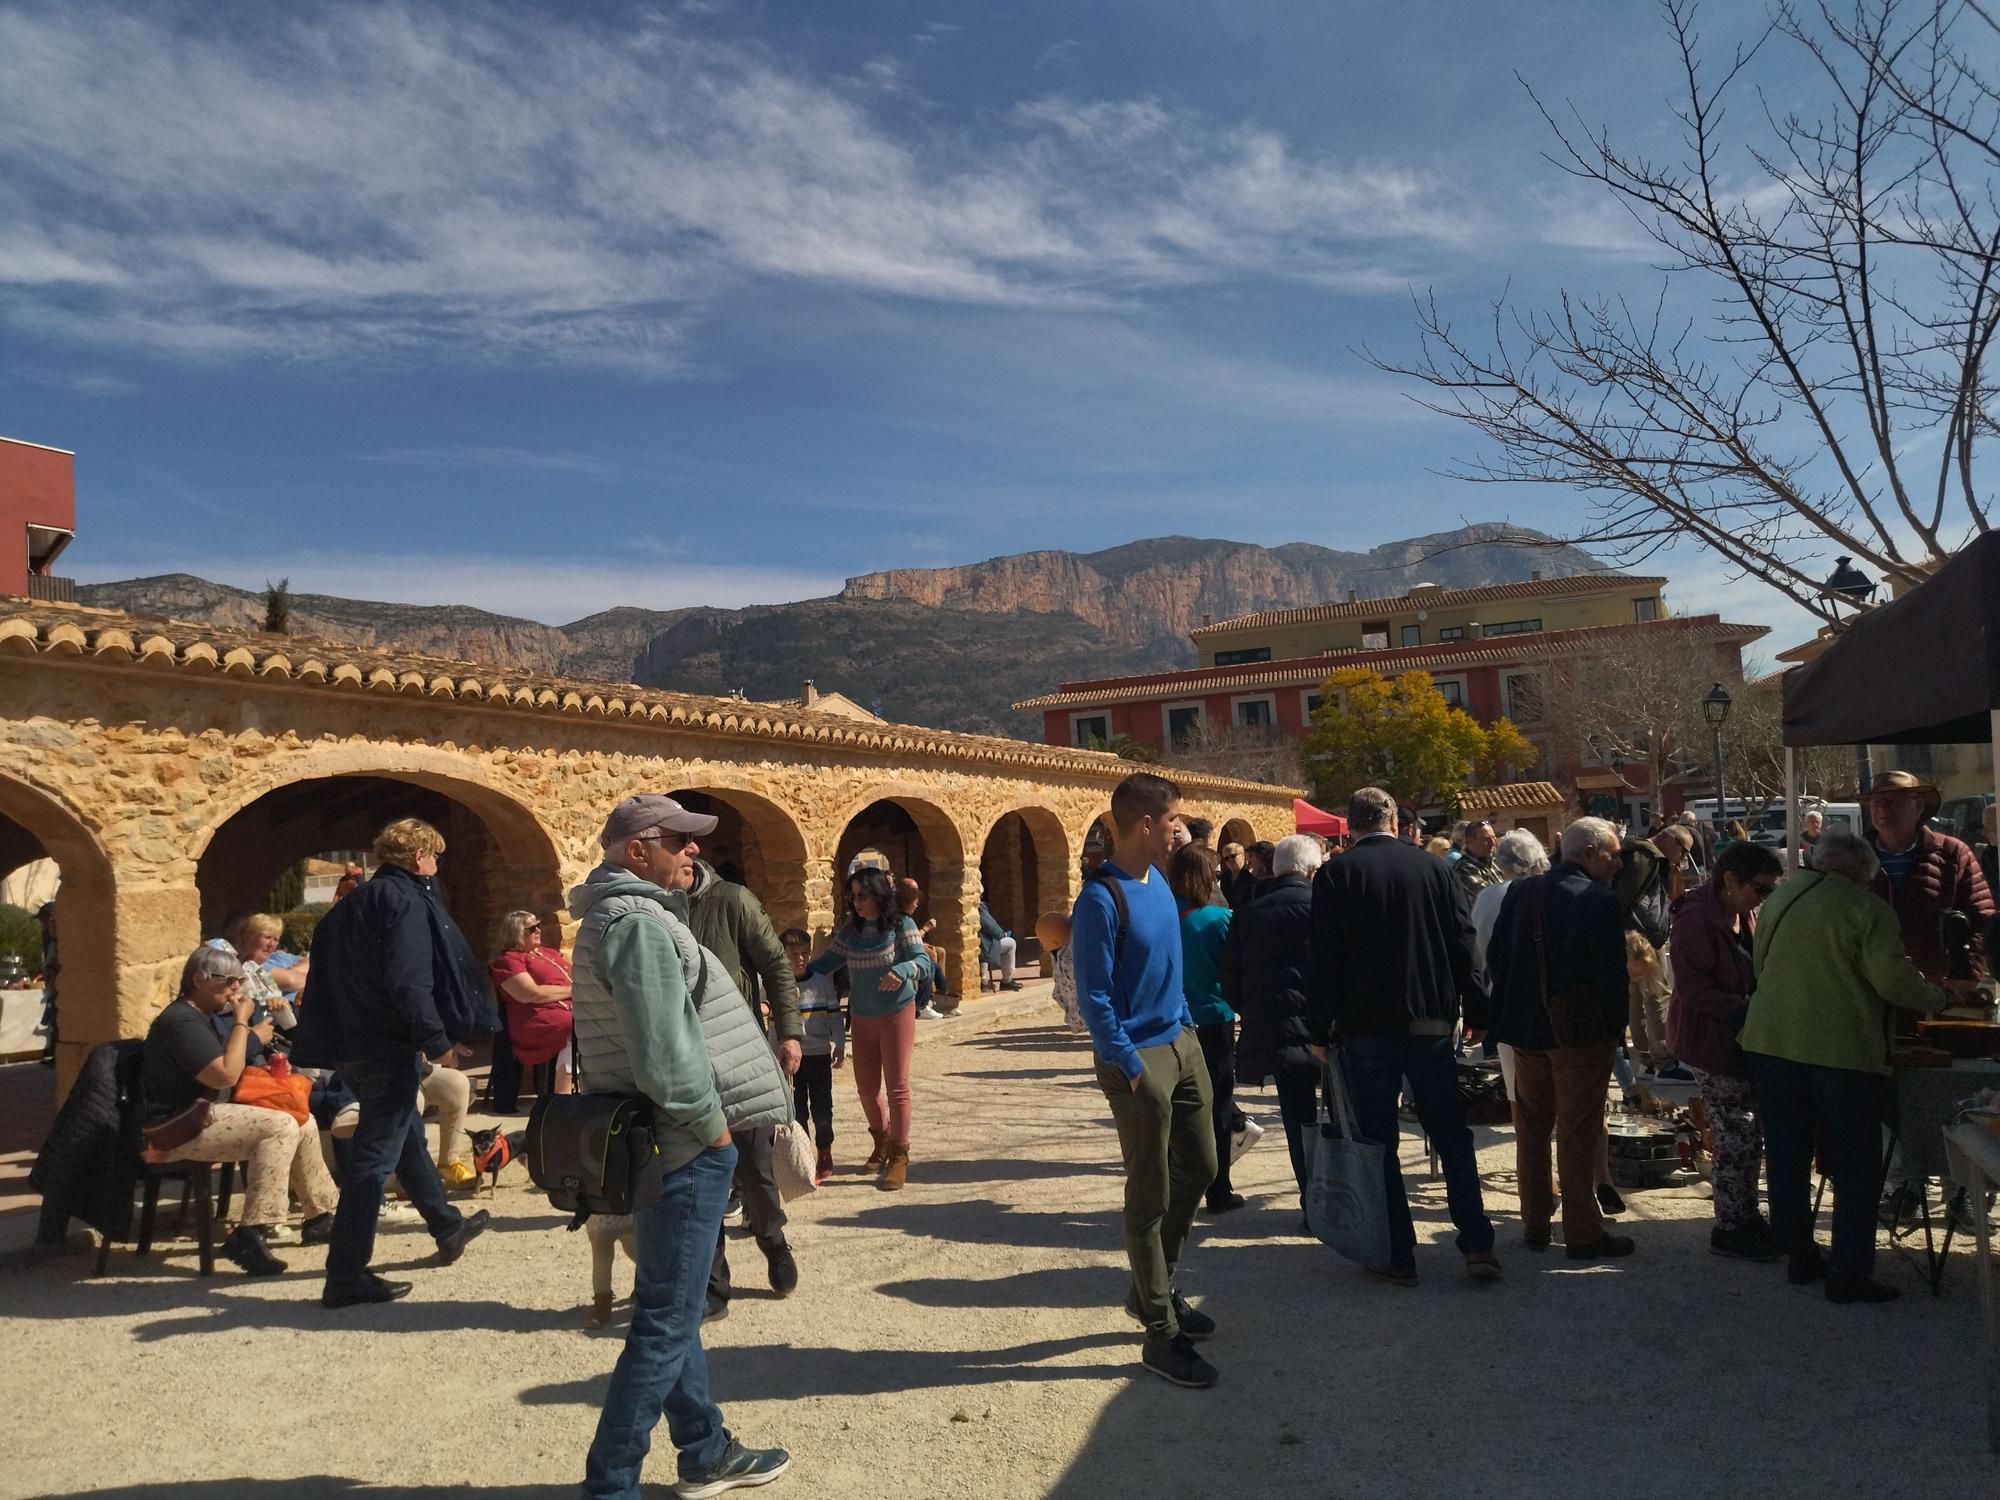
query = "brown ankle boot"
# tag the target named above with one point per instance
(880, 1155)
(894, 1169)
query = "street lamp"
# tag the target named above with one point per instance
(1848, 583)
(1715, 708)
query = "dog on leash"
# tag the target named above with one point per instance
(608, 1233)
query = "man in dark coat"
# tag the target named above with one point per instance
(392, 982)
(1265, 963)
(1391, 970)
(1562, 933)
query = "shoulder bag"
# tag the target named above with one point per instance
(1575, 1011)
(178, 1129)
(1346, 1196)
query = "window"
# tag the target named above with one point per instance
(1240, 658)
(1084, 728)
(1452, 633)
(1310, 703)
(1523, 692)
(1375, 636)
(1453, 690)
(1413, 635)
(1256, 713)
(1183, 723)
(1922, 758)
(1514, 627)
(1646, 609)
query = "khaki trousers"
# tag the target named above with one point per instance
(280, 1152)
(1561, 1091)
(449, 1092)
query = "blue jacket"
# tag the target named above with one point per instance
(1204, 929)
(391, 975)
(1130, 993)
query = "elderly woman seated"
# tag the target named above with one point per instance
(253, 939)
(186, 1063)
(1829, 966)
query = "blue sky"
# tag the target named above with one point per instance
(548, 308)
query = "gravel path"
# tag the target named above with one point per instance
(964, 1338)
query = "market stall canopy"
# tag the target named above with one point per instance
(1922, 670)
(1308, 819)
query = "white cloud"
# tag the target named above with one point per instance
(555, 591)
(400, 178)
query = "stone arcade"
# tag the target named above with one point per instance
(172, 771)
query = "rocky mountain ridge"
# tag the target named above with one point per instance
(949, 647)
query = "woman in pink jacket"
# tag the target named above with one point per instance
(1713, 979)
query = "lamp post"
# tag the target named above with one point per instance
(1715, 708)
(1848, 584)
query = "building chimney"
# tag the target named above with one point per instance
(1352, 596)
(1535, 576)
(1207, 618)
(808, 694)
(1474, 630)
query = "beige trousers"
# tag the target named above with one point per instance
(449, 1092)
(280, 1152)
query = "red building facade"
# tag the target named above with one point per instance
(37, 517)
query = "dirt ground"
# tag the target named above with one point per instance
(965, 1338)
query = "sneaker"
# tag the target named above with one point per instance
(784, 1270)
(733, 1214)
(246, 1247)
(1010, 984)
(1225, 1203)
(1482, 1265)
(1750, 1241)
(1604, 1247)
(1194, 1323)
(398, 1213)
(281, 1234)
(1403, 1276)
(714, 1309)
(1860, 1290)
(1675, 1074)
(1175, 1360)
(739, 1468)
(1608, 1200)
(930, 1013)
(318, 1230)
(457, 1174)
(1243, 1137)
(1536, 1239)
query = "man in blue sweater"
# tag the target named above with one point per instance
(1126, 942)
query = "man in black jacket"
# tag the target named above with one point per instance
(1391, 969)
(1265, 960)
(1562, 934)
(392, 982)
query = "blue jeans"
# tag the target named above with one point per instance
(662, 1368)
(1376, 1067)
(388, 1138)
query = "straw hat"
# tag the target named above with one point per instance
(1904, 781)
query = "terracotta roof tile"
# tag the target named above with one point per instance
(1306, 671)
(1538, 588)
(111, 637)
(1516, 794)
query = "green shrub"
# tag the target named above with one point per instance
(289, 891)
(299, 924)
(21, 937)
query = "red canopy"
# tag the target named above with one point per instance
(1309, 819)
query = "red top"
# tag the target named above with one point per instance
(536, 1032)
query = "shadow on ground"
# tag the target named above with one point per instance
(321, 1487)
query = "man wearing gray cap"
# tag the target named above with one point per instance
(638, 1031)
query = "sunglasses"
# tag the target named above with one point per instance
(1763, 888)
(673, 842)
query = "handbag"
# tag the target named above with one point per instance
(179, 1129)
(1576, 1015)
(793, 1160)
(260, 1087)
(1347, 1200)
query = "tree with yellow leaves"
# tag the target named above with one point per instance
(1401, 735)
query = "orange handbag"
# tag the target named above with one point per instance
(290, 1095)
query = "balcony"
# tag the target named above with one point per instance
(50, 589)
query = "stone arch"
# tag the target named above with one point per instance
(921, 840)
(1024, 870)
(761, 838)
(1237, 830)
(498, 856)
(36, 824)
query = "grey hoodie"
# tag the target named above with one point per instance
(636, 1025)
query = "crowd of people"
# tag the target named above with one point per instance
(1195, 972)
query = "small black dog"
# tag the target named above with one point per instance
(493, 1149)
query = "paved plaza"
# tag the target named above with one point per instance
(965, 1338)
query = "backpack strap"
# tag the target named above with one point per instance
(1110, 883)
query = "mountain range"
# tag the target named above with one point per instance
(949, 647)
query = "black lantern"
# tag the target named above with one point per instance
(1848, 583)
(1715, 707)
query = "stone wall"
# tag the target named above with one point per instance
(129, 774)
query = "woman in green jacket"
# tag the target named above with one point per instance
(1830, 966)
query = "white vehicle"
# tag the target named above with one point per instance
(1770, 828)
